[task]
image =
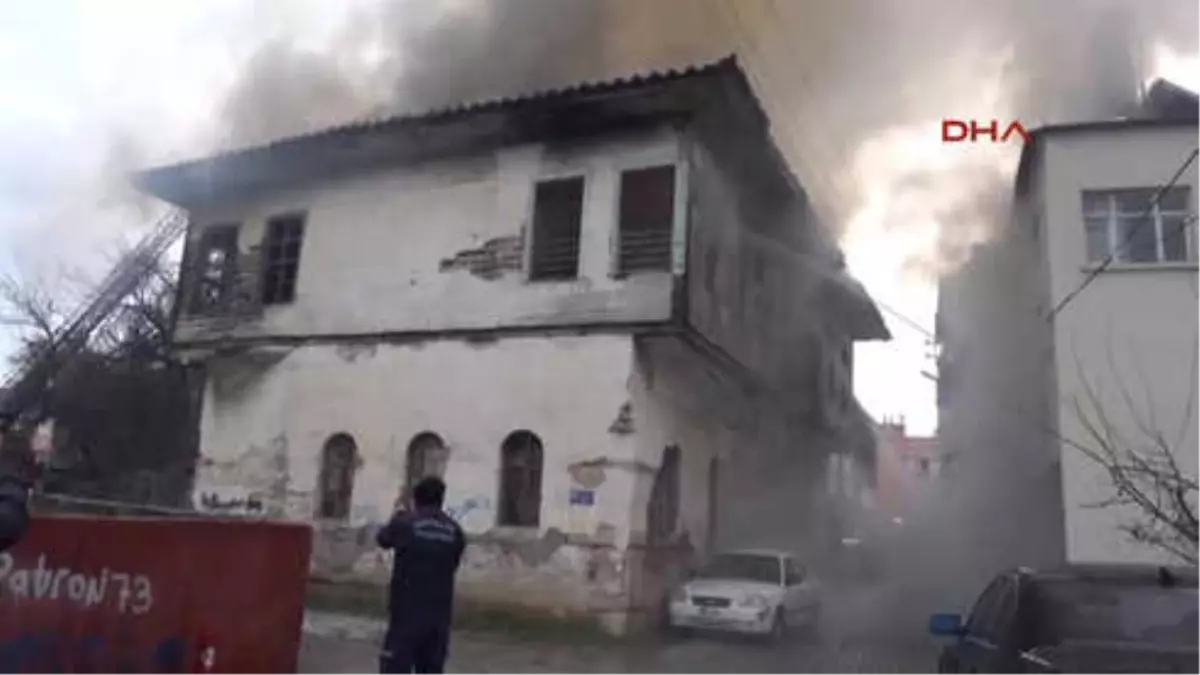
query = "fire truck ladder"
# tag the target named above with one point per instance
(23, 388)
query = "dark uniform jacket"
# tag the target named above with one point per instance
(428, 547)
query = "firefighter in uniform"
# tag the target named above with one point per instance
(428, 546)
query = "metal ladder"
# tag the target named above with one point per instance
(23, 387)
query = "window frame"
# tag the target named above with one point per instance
(418, 461)
(617, 269)
(573, 174)
(503, 493)
(325, 478)
(267, 264)
(1116, 244)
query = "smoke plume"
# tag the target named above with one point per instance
(856, 89)
(837, 76)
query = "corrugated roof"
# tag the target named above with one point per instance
(588, 88)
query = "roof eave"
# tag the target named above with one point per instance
(399, 137)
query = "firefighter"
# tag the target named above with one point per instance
(428, 546)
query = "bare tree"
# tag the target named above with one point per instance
(1142, 464)
(121, 403)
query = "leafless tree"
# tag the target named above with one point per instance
(121, 403)
(1142, 463)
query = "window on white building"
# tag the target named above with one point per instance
(557, 223)
(426, 457)
(520, 480)
(339, 458)
(281, 262)
(647, 213)
(1128, 225)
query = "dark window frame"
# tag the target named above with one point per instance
(556, 257)
(335, 492)
(522, 463)
(645, 247)
(418, 462)
(282, 250)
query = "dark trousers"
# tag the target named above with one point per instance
(415, 649)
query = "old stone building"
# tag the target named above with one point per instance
(605, 314)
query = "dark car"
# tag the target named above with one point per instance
(1097, 619)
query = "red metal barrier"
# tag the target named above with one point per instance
(92, 594)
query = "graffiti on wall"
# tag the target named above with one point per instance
(230, 501)
(50, 653)
(127, 593)
(477, 506)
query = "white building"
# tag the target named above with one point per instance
(599, 312)
(1045, 360)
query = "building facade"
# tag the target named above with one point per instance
(1074, 333)
(909, 468)
(600, 313)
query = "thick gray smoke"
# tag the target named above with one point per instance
(856, 89)
(834, 74)
(405, 56)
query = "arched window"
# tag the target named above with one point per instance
(427, 456)
(338, 461)
(520, 480)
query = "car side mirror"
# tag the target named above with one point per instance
(946, 625)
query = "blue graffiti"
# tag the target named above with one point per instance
(50, 653)
(471, 504)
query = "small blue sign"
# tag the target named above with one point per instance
(583, 497)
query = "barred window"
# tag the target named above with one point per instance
(285, 234)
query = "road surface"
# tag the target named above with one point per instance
(858, 635)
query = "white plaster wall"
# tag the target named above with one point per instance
(1132, 329)
(374, 242)
(567, 390)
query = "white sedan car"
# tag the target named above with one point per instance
(753, 592)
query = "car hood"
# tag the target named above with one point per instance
(731, 588)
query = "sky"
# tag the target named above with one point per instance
(95, 89)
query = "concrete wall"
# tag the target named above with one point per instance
(442, 246)
(1130, 337)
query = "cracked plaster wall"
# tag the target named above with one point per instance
(441, 246)
(261, 443)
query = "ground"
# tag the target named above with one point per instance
(857, 635)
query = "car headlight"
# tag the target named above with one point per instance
(754, 600)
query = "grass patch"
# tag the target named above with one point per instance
(521, 623)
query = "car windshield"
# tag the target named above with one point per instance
(1078, 610)
(742, 567)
